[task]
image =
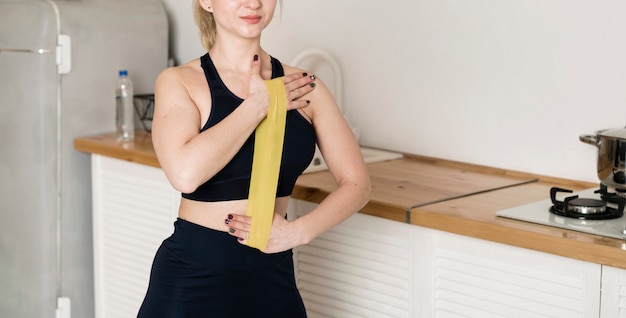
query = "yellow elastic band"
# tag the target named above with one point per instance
(268, 148)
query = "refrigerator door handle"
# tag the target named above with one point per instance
(38, 51)
(64, 54)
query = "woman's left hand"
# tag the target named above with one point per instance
(297, 86)
(280, 237)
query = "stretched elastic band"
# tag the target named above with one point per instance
(268, 148)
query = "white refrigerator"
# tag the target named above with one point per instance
(58, 68)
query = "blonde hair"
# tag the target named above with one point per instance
(206, 24)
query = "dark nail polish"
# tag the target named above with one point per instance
(231, 230)
(227, 221)
(239, 239)
(312, 85)
(256, 57)
(308, 102)
(305, 74)
(312, 77)
(230, 216)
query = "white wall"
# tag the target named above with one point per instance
(509, 84)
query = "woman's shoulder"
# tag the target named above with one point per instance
(289, 69)
(187, 71)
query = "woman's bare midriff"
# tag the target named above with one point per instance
(213, 214)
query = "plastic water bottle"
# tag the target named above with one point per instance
(124, 108)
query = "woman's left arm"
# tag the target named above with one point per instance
(342, 154)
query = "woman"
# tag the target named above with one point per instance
(203, 134)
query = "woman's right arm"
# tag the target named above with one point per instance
(190, 158)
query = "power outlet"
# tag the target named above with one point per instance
(64, 308)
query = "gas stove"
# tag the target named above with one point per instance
(597, 211)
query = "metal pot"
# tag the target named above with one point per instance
(611, 145)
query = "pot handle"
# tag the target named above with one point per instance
(589, 139)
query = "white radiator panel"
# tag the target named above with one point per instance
(358, 269)
(134, 211)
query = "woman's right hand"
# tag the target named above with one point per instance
(297, 85)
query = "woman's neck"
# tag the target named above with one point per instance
(233, 60)
(236, 55)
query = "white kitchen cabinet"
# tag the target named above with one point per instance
(613, 293)
(134, 208)
(371, 267)
(360, 268)
(459, 276)
(364, 267)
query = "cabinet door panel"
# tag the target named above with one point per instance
(476, 278)
(613, 292)
(134, 208)
(358, 269)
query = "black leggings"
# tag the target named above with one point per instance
(200, 272)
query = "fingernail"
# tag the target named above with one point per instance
(256, 57)
(312, 77)
(231, 230)
(312, 85)
(230, 216)
(240, 239)
(227, 221)
(305, 74)
(308, 102)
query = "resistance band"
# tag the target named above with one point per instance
(268, 149)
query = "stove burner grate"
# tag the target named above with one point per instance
(586, 208)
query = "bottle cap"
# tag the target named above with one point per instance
(123, 73)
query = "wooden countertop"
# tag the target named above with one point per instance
(449, 196)
(401, 184)
(139, 151)
(475, 216)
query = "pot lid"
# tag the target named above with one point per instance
(614, 133)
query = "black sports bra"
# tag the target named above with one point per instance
(233, 181)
